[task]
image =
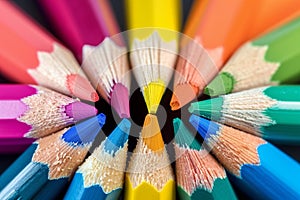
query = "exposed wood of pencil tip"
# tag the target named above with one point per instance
(234, 148)
(104, 169)
(197, 169)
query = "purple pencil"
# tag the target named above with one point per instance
(28, 111)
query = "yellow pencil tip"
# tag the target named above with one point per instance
(153, 93)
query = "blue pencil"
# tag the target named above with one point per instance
(47, 165)
(258, 167)
(101, 176)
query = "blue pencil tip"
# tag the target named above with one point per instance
(205, 127)
(118, 137)
(84, 132)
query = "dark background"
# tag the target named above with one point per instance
(138, 107)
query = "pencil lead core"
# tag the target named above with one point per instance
(81, 87)
(182, 95)
(120, 100)
(223, 83)
(79, 111)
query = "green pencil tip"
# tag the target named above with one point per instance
(221, 84)
(183, 137)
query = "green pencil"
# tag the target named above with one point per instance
(199, 175)
(272, 59)
(270, 112)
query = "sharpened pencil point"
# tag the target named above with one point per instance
(223, 83)
(153, 93)
(182, 95)
(120, 100)
(204, 127)
(118, 137)
(81, 87)
(183, 137)
(79, 111)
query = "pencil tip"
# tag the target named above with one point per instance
(84, 132)
(118, 137)
(151, 134)
(182, 95)
(210, 108)
(204, 127)
(120, 100)
(80, 87)
(79, 111)
(153, 93)
(183, 137)
(223, 83)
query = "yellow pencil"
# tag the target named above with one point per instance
(153, 45)
(149, 173)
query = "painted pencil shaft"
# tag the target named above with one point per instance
(94, 23)
(269, 14)
(41, 59)
(101, 175)
(54, 160)
(198, 174)
(271, 59)
(20, 105)
(153, 45)
(149, 173)
(91, 36)
(258, 166)
(270, 112)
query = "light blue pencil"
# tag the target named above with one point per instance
(258, 167)
(101, 176)
(49, 163)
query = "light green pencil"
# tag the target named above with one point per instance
(271, 112)
(272, 59)
(199, 175)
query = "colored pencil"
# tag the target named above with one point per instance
(153, 45)
(53, 161)
(198, 174)
(149, 173)
(41, 59)
(201, 58)
(270, 14)
(270, 112)
(271, 59)
(258, 167)
(33, 111)
(194, 18)
(88, 27)
(101, 176)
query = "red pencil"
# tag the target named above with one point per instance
(34, 111)
(28, 54)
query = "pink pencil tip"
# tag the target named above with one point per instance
(120, 100)
(79, 111)
(81, 87)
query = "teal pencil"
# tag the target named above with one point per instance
(198, 174)
(52, 163)
(270, 112)
(258, 168)
(101, 176)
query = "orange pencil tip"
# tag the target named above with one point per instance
(182, 95)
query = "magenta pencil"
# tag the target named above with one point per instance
(28, 111)
(89, 28)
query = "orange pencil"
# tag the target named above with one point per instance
(220, 35)
(28, 54)
(222, 28)
(265, 16)
(194, 17)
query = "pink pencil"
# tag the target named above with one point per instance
(88, 27)
(33, 111)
